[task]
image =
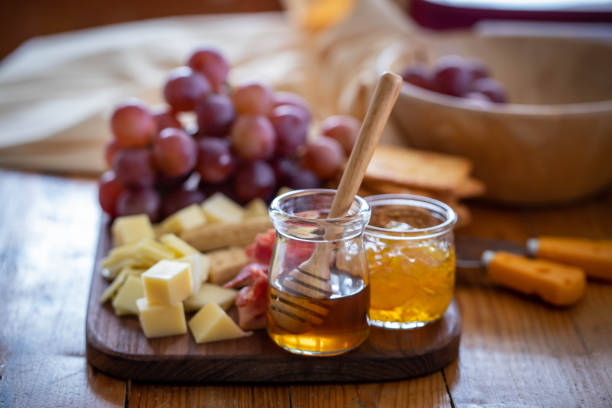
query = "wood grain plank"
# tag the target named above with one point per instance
(529, 353)
(429, 391)
(47, 240)
(159, 395)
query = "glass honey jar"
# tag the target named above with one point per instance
(318, 291)
(411, 260)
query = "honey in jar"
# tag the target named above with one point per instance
(411, 260)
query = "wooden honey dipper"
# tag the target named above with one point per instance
(312, 278)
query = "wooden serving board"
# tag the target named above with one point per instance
(117, 346)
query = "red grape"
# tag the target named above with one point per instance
(288, 98)
(254, 180)
(139, 201)
(133, 168)
(344, 129)
(108, 192)
(452, 76)
(253, 98)
(291, 128)
(174, 152)
(253, 137)
(184, 88)
(478, 69)
(165, 182)
(132, 124)
(418, 75)
(180, 198)
(110, 150)
(215, 115)
(324, 157)
(289, 174)
(215, 161)
(212, 64)
(491, 89)
(165, 118)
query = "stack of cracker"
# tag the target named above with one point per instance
(398, 170)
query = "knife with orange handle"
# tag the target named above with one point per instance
(593, 256)
(506, 265)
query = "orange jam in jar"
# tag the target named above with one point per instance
(411, 260)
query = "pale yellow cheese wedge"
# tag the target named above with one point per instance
(131, 229)
(145, 253)
(177, 245)
(200, 265)
(125, 300)
(167, 282)
(219, 208)
(187, 218)
(256, 208)
(213, 324)
(210, 293)
(283, 190)
(161, 320)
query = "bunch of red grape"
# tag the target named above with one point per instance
(455, 76)
(249, 142)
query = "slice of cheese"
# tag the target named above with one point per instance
(213, 324)
(187, 218)
(225, 264)
(167, 282)
(200, 264)
(131, 229)
(125, 300)
(161, 320)
(219, 208)
(177, 245)
(256, 208)
(115, 285)
(210, 294)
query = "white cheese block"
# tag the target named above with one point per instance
(256, 208)
(210, 294)
(187, 218)
(161, 320)
(213, 324)
(177, 245)
(131, 229)
(167, 282)
(219, 208)
(200, 265)
(125, 300)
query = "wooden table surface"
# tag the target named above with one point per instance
(515, 351)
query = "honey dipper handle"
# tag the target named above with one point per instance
(381, 104)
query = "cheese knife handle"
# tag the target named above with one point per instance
(593, 256)
(557, 284)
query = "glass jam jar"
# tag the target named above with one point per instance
(411, 260)
(318, 290)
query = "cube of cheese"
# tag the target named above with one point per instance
(177, 245)
(131, 229)
(283, 190)
(256, 208)
(161, 320)
(210, 294)
(213, 324)
(219, 208)
(167, 282)
(225, 264)
(187, 218)
(200, 265)
(125, 300)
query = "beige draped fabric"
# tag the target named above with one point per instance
(56, 92)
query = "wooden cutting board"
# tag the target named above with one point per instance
(117, 346)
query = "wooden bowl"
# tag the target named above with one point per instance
(552, 144)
